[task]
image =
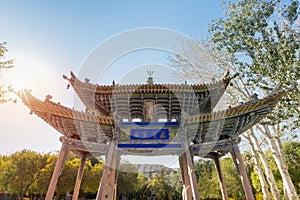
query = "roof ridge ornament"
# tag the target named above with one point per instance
(150, 78)
(226, 74)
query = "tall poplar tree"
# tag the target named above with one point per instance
(260, 40)
(263, 37)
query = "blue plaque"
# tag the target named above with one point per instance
(149, 124)
(149, 134)
(151, 146)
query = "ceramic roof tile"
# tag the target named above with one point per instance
(269, 101)
(108, 89)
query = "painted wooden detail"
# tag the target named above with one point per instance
(142, 118)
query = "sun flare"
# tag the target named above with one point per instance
(17, 79)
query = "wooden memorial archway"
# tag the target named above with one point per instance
(177, 118)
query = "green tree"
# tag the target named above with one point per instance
(20, 170)
(92, 176)
(66, 181)
(232, 179)
(207, 179)
(176, 185)
(256, 184)
(262, 37)
(127, 179)
(28, 172)
(245, 41)
(4, 64)
(259, 181)
(3, 165)
(142, 190)
(160, 185)
(292, 156)
(40, 186)
(201, 60)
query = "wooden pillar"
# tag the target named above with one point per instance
(186, 190)
(79, 177)
(57, 170)
(221, 180)
(238, 161)
(190, 187)
(107, 187)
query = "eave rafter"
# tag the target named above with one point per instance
(94, 128)
(268, 102)
(97, 98)
(231, 122)
(70, 123)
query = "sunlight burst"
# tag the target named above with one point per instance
(17, 78)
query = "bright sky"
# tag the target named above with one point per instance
(47, 39)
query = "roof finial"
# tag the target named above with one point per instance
(150, 78)
(48, 97)
(150, 73)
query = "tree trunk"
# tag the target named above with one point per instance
(278, 157)
(268, 171)
(259, 169)
(24, 192)
(57, 196)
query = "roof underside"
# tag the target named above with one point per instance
(107, 99)
(200, 129)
